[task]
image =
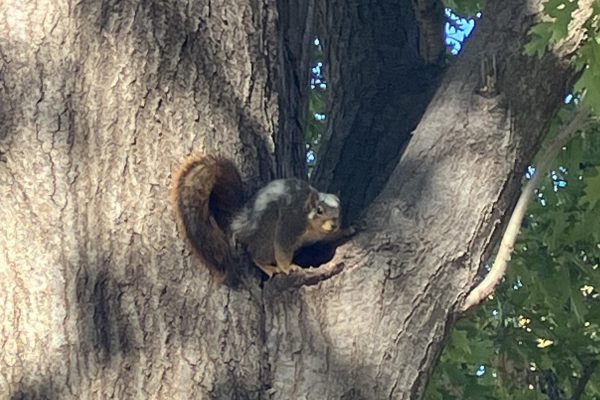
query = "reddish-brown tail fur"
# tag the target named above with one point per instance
(207, 192)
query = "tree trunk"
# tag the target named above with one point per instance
(379, 86)
(381, 323)
(99, 102)
(101, 299)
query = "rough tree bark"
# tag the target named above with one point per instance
(99, 102)
(375, 66)
(381, 323)
(100, 297)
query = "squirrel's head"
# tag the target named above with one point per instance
(324, 215)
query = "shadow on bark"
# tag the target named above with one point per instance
(7, 113)
(380, 86)
(371, 149)
(232, 388)
(37, 390)
(190, 37)
(105, 329)
(112, 310)
(17, 88)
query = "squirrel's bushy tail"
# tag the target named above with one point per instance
(207, 192)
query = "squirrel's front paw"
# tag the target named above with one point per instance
(288, 269)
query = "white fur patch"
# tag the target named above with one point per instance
(272, 192)
(239, 222)
(330, 199)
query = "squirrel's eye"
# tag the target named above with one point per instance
(320, 210)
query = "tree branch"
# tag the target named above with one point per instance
(430, 14)
(493, 278)
(307, 277)
(588, 371)
(549, 386)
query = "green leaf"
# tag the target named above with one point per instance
(589, 84)
(540, 38)
(592, 190)
(459, 339)
(561, 11)
(465, 7)
(556, 256)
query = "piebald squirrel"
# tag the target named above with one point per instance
(283, 216)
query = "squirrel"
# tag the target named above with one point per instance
(283, 216)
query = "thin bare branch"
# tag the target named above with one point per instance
(493, 278)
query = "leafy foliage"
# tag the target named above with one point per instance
(555, 27)
(539, 337)
(550, 32)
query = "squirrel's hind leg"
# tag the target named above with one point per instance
(284, 261)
